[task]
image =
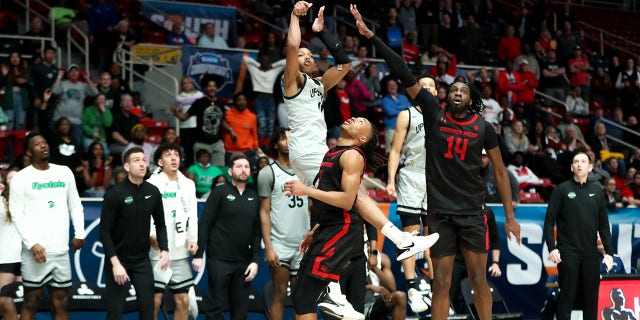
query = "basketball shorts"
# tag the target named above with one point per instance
(181, 278)
(290, 257)
(55, 272)
(306, 166)
(412, 191)
(468, 231)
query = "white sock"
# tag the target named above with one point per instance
(393, 233)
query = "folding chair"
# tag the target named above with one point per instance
(468, 293)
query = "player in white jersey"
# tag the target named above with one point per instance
(10, 250)
(181, 218)
(303, 97)
(42, 198)
(408, 146)
(284, 221)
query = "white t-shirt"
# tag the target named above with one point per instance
(41, 202)
(184, 100)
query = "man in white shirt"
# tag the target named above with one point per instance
(210, 40)
(42, 197)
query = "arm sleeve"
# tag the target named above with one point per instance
(158, 220)
(494, 237)
(550, 219)
(334, 45)
(108, 214)
(76, 211)
(396, 64)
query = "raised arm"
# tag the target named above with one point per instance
(396, 64)
(292, 77)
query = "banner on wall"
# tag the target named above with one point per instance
(198, 62)
(524, 274)
(194, 17)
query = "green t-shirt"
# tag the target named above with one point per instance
(204, 177)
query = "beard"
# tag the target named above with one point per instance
(456, 109)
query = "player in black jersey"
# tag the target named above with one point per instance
(338, 238)
(455, 136)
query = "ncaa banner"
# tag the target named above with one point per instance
(193, 17)
(223, 65)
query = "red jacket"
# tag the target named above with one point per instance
(508, 48)
(529, 82)
(505, 86)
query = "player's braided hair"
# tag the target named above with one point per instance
(374, 160)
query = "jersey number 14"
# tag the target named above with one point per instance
(460, 147)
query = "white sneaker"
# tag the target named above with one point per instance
(415, 244)
(334, 303)
(417, 301)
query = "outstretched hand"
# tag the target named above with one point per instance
(301, 8)
(362, 27)
(318, 23)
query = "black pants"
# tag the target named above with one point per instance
(226, 279)
(578, 277)
(141, 276)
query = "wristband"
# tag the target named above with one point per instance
(373, 252)
(495, 262)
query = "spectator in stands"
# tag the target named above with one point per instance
(382, 295)
(117, 80)
(359, 94)
(481, 78)
(338, 107)
(527, 54)
(66, 151)
(350, 47)
(447, 33)
(612, 195)
(123, 122)
(407, 16)
(122, 36)
(242, 135)
(546, 42)
(492, 108)
(138, 137)
(95, 121)
(442, 92)
(203, 173)
(537, 138)
(410, 52)
(599, 142)
(441, 73)
(392, 104)
(573, 141)
(44, 76)
(177, 37)
(566, 123)
(102, 20)
(371, 81)
(16, 80)
(629, 177)
(529, 83)
(598, 173)
(634, 160)
(522, 173)
(492, 193)
(111, 95)
(470, 40)
(33, 47)
(565, 15)
(566, 41)
(323, 63)
(579, 71)
(509, 84)
(554, 78)
(188, 94)
(555, 146)
(170, 136)
(509, 45)
(72, 92)
(635, 190)
(618, 172)
(271, 47)
(438, 54)
(601, 86)
(576, 105)
(517, 140)
(427, 20)
(210, 39)
(96, 171)
(629, 137)
(263, 74)
(628, 85)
